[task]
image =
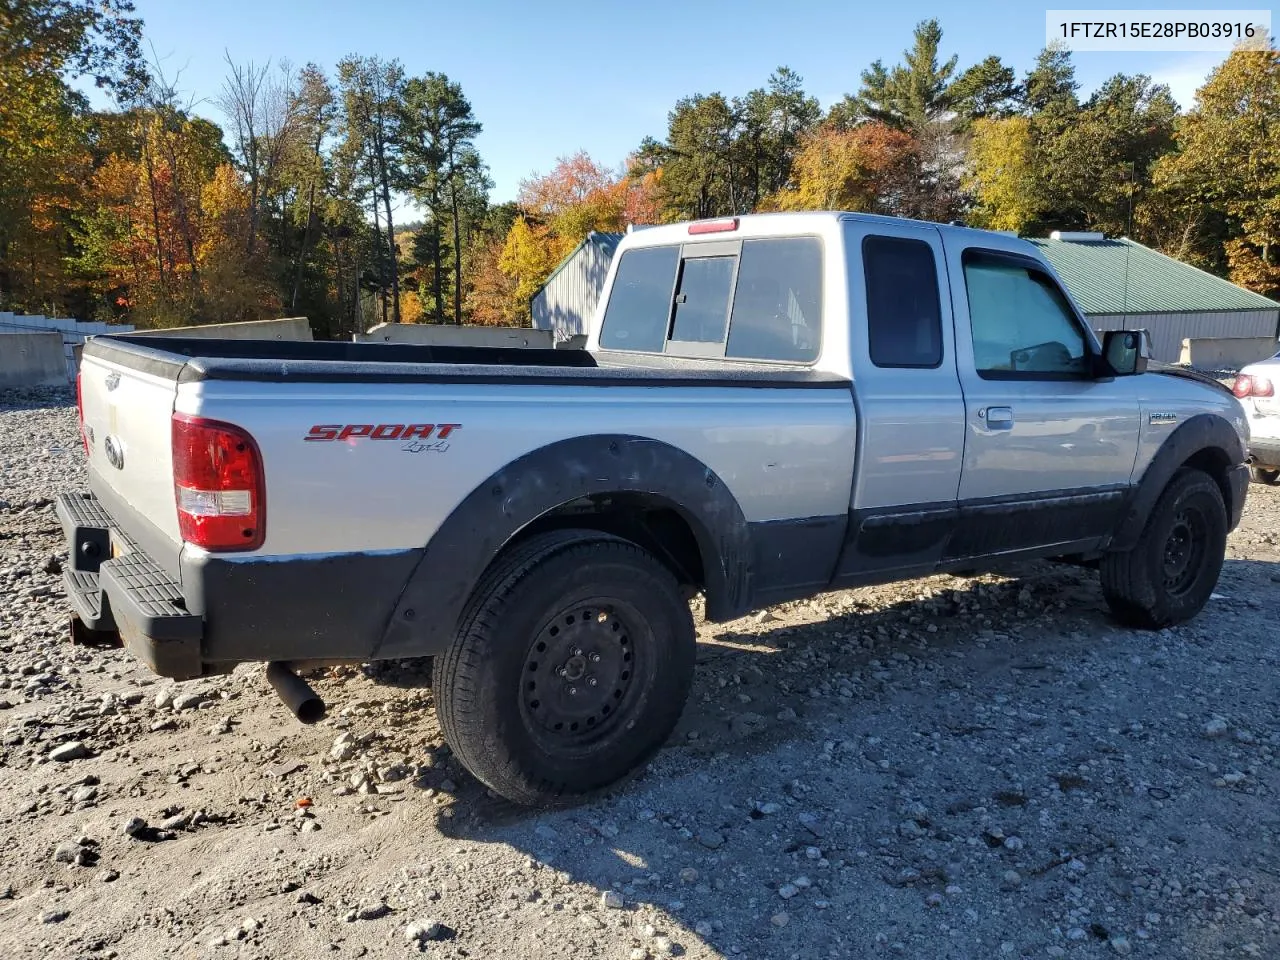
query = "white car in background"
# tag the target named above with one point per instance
(1258, 389)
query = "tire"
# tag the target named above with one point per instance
(576, 628)
(1168, 576)
(1265, 475)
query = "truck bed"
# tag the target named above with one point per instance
(188, 359)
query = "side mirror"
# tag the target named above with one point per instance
(1126, 351)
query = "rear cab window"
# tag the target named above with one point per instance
(904, 313)
(741, 299)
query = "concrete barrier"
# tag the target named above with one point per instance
(1226, 353)
(286, 328)
(447, 335)
(32, 360)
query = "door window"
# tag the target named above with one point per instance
(1023, 326)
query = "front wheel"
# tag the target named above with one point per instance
(1264, 475)
(570, 668)
(1168, 576)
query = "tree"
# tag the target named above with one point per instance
(872, 168)
(371, 90)
(917, 97)
(1003, 176)
(702, 174)
(44, 146)
(770, 124)
(912, 95)
(987, 89)
(1097, 166)
(1050, 86)
(99, 39)
(165, 233)
(437, 131)
(306, 173)
(529, 254)
(492, 299)
(1219, 194)
(262, 106)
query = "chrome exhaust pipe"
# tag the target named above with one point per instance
(297, 694)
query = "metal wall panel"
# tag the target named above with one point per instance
(565, 305)
(1168, 330)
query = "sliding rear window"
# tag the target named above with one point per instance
(750, 299)
(635, 317)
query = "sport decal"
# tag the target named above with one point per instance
(413, 437)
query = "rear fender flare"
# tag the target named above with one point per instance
(1205, 431)
(432, 601)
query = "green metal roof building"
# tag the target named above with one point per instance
(1122, 285)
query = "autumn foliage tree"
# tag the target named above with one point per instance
(872, 168)
(167, 239)
(1218, 196)
(559, 209)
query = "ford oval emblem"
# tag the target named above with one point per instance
(114, 450)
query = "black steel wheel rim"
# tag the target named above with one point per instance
(579, 680)
(1184, 550)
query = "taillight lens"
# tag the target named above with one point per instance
(84, 437)
(1247, 386)
(218, 484)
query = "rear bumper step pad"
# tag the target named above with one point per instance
(128, 593)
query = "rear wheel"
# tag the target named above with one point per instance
(1168, 576)
(1265, 475)
(570, 669)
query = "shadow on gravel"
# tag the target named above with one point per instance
(754, 658)
(748, 802)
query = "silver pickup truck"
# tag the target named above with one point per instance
(769, 407)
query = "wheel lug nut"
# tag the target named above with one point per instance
(595, 658)
(577, 651)
(562, 672)
(573, 691)
(591, 681)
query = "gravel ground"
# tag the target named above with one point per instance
(960, 768)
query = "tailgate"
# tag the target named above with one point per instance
(128, 416)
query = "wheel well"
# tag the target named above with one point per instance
(652, 522)
(1215, 462)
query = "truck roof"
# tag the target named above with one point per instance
(757, 225)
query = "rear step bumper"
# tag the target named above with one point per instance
(126, 593)
(1265, 452)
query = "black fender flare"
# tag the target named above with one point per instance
(436, 592)
(1204, 431)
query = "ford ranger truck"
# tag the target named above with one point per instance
(769, 407)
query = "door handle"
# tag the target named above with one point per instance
(998, 418)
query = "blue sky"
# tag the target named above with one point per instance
(551, 78)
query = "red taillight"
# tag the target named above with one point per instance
(218, 485)
(1247, 386)
(714, 226)
(84, 437)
